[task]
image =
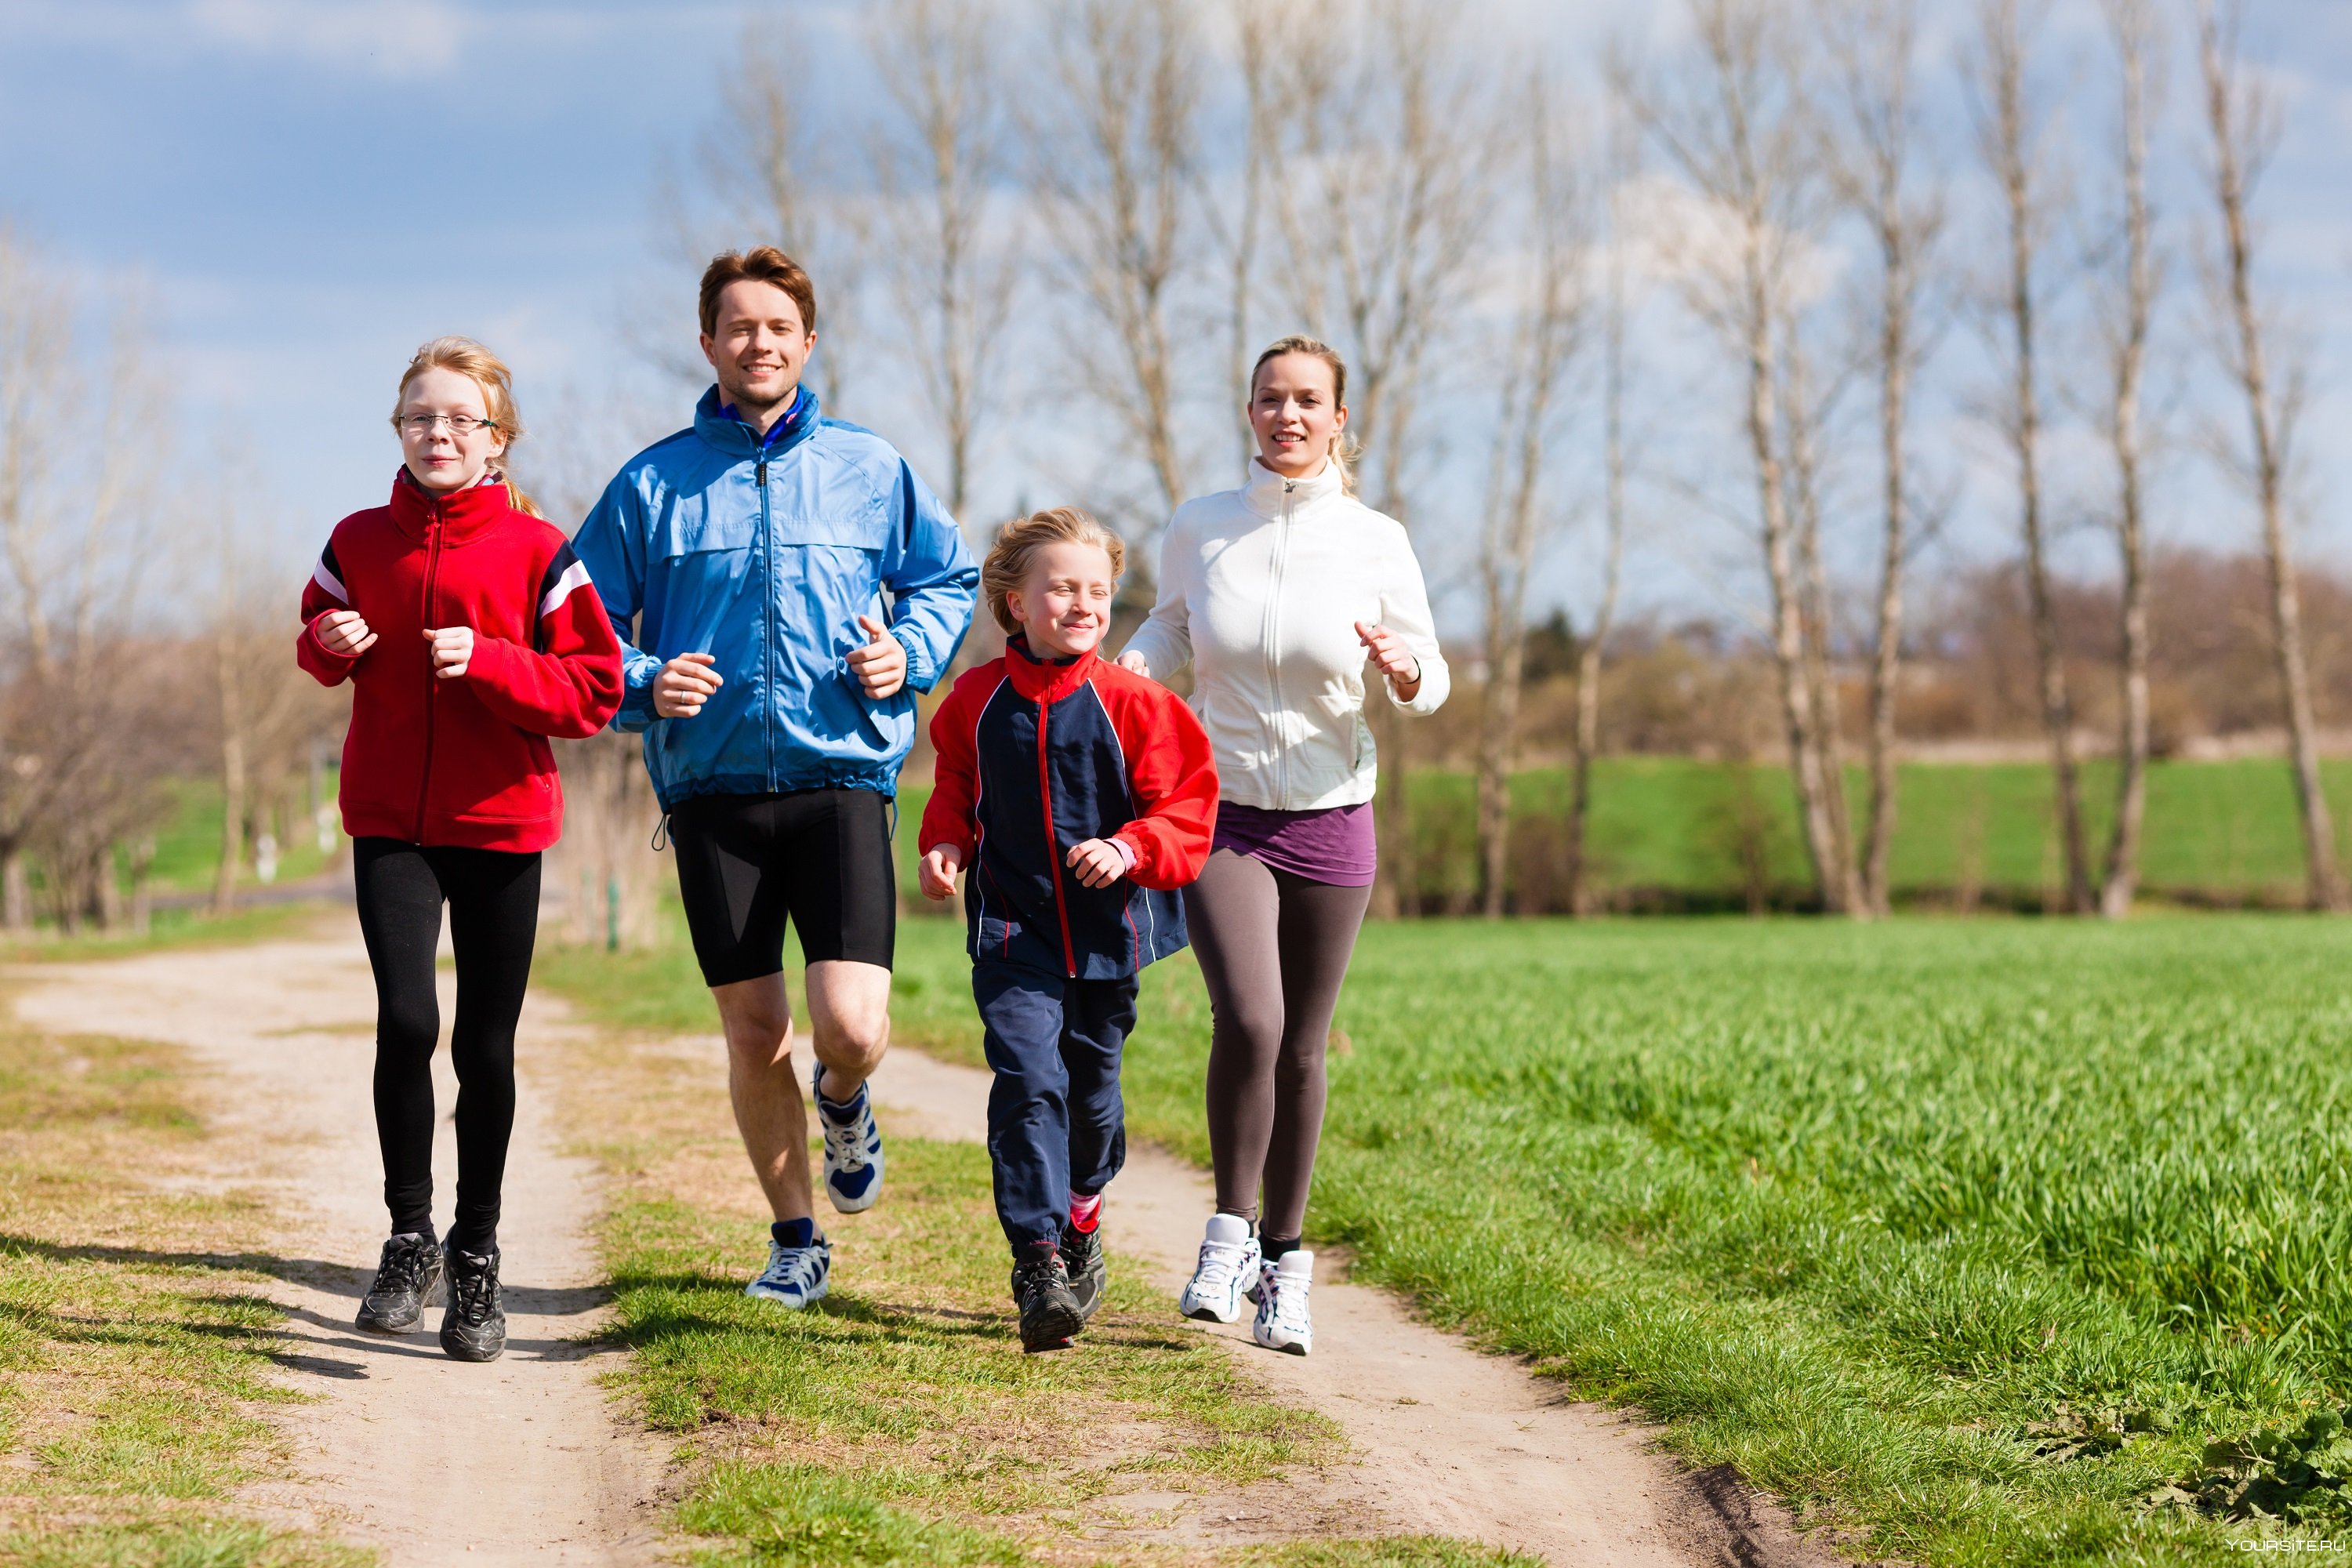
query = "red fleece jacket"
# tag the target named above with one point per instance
(463, 761)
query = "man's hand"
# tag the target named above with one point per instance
(1133, 660)
(1097, 863)
(344, 632)
(685, 684)
(453, 650)
(1395, 661)
(881, 665)
(937, 873)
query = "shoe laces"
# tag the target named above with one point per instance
(845, 1141)
(1221, 1261)
(794, 1264)
(1047, 1269)
(473, 1289)
(1286, 1294)
(402, 1266)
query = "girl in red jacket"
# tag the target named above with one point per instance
(469, 633)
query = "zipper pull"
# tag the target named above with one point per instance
(761, 473)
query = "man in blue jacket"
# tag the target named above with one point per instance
(776, 692)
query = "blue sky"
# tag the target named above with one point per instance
(296, 191)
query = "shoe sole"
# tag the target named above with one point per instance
(777, 1298)
(1054, 1334)
(1211, 1315)
(855, 1205)
(458, 1349)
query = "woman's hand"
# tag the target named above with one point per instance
(685, 684)
(346, 633)
(1396, 661)
(1097, 863)
(937, 874)
(453, 650)
(1133, 660)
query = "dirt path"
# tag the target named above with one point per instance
(1448, 1441)
(404, 1442)
(518, 1461)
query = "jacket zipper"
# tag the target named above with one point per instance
(1272, 635)
(1053, 845)
(767, 618)
(432, 679)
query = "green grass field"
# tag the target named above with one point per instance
(1969, 1234)
(1668, 833)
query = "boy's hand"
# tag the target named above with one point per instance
(937, 873)
(1097, 863)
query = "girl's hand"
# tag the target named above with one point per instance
(1133, 660)
(1097, 863)
(937, 872)
(1396, 661)
(344, 632)
(453, 650)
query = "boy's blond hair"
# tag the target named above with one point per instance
(1018, 542)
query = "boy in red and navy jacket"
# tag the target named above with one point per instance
(1079, 797)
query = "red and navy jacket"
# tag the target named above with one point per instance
(1036, 757)
(461, 761)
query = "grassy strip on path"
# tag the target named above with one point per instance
(898, 1422)
(1968, 1234)
(135, 1342)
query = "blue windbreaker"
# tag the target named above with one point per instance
(763, 557)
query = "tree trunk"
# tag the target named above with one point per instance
(2325, 887)
(1886, 664)
(1506, 649)
(1400, 879)
(2122, 879)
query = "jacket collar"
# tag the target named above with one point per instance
(737, 439)
(1265, 490)
(1043, 679)
(461, 515)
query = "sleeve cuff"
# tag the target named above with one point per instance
(1125, 851)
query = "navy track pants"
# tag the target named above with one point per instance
(1056, 1122)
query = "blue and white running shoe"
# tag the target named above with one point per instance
(1283, 1322)
(796, 1276)
(1227, 1274)
(852, 1149)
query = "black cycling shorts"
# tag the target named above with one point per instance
(819, 858)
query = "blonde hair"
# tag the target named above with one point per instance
(1016, 546)
(489, 373)
(1343, 445)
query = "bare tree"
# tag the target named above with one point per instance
(1118, 164)
(764, 163)
(2014, 150)
(1544, 329)
(937, 169)
(1873, 154)
(1624, 162)
(1386, 159)
(78, 432)
(2130, 323)
(1738, 131)
(2241, 118)
(1264, 35)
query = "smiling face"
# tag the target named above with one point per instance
(1064, 604)
(1296, 411)
(757, 347)
(438, 456)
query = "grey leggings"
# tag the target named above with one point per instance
(1274, 948)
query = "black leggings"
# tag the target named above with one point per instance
(493, 917)
(1274, 948)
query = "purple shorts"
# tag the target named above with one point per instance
(1337, 845)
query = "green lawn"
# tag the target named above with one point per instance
(1970, 1234)
(1668, 832)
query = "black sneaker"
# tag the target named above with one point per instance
(1049, 1312)
(407, 1280)
(1082, 1257)
(475, 1326)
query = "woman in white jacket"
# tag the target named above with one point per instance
(1278, 594)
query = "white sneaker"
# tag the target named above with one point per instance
(796, 1276)
(1226, 1275)
(853, 1151)
(1283, 1323)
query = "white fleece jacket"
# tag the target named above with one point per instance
(1260, 589)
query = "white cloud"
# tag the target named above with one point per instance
(391, 37)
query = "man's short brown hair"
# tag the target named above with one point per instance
(762, 264)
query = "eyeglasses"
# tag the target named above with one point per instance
(460, 425)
